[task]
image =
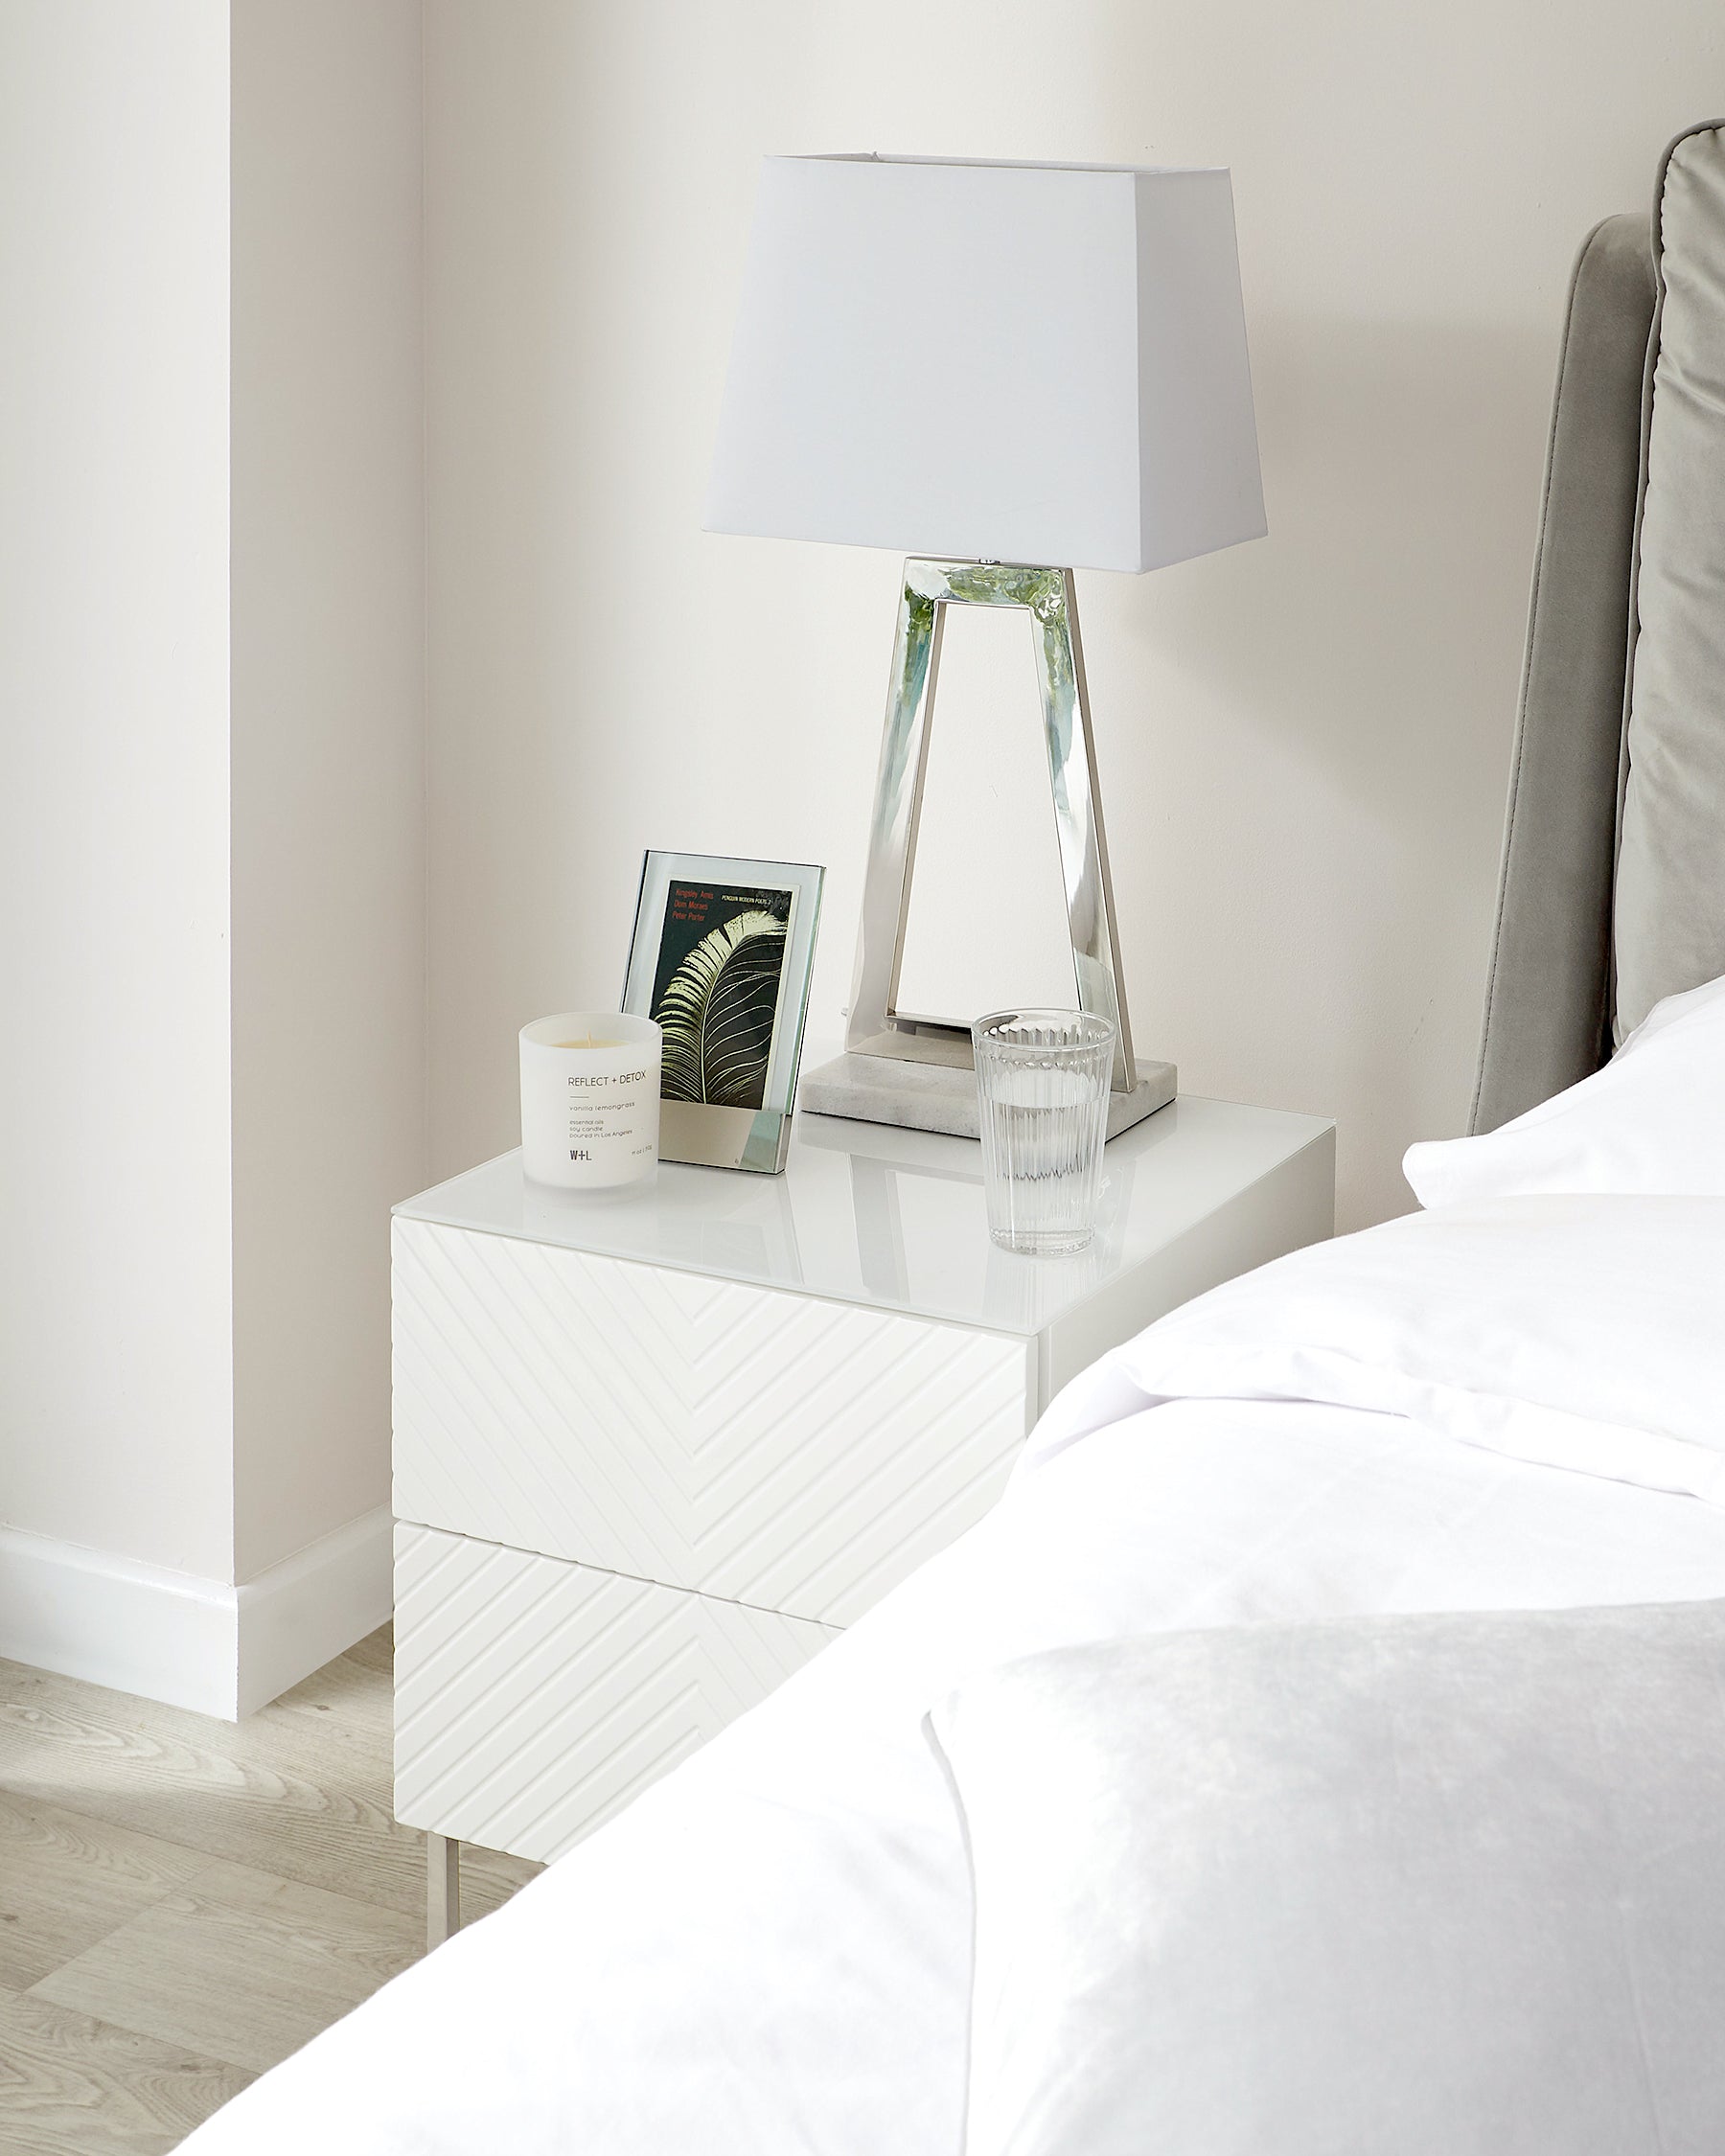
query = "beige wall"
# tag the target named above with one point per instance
(1305, 742)
(328, 747)
(212, 870)
(115, 1366)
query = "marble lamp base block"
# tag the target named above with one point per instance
(928, 1097)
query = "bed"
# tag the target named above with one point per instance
(1506, 1403)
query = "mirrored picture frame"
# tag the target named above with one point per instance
(721, 959)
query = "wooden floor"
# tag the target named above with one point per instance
(183, 1902)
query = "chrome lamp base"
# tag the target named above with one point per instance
(933, 1096)
(916, 1071)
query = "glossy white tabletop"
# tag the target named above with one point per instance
(894, 1219)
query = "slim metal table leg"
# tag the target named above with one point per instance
(442, 1888)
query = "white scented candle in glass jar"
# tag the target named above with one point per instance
(591, 1100)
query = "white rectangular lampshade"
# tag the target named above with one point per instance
(1040, 364)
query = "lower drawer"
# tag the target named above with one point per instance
(535, 1697)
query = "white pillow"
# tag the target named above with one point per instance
(1575, 1332)
(1651, 1123)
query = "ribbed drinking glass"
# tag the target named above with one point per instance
(1042, 1092)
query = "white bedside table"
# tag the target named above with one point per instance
(651, 1451)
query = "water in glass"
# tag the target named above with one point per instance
(1042, 1091)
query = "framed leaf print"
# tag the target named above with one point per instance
(721, 961)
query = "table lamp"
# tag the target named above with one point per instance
(1006, 372)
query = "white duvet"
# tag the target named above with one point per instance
(1497, 1407)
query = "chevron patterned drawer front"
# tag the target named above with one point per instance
(533, 1698)
(797, 1454)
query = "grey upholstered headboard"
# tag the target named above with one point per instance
(1613, 891)
(1547, 999)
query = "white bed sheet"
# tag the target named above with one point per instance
(768, 1954)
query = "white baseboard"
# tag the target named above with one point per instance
(312, 1606)
(187, 1641)
(137, 1628)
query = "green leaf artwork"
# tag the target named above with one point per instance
(717, 1010)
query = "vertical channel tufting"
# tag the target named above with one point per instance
(1670, 914)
